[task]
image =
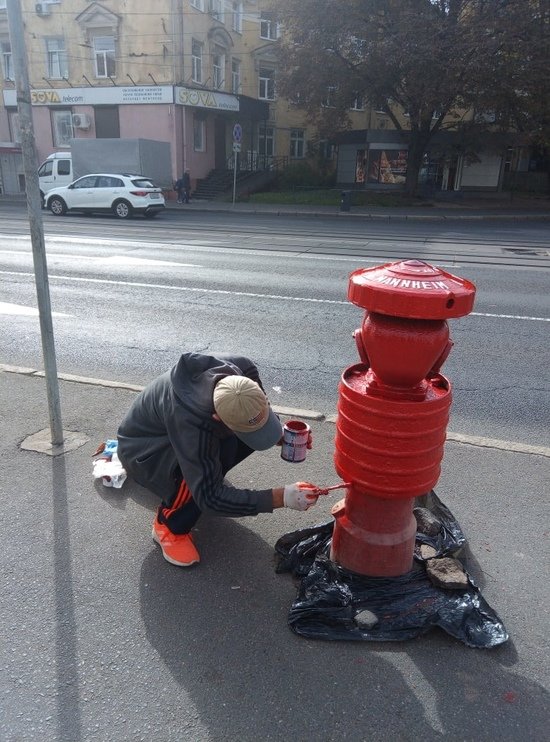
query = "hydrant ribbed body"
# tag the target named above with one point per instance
(393, 411)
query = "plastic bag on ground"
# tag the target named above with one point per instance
(336, 604)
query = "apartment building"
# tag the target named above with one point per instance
(186, 72)
(182, 71)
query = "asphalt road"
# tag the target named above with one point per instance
(104, 641)
(129, 297)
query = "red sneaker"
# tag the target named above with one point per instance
(177, 549)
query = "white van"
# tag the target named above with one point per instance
(55, 171)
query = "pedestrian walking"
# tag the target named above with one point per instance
(179, 187)
(186, 186)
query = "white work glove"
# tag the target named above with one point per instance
(300, 496)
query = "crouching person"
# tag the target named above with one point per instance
(186, 430)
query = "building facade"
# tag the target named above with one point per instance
(181, 71)
(187, 72)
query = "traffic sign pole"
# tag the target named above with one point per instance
(237, 139)
(235, 156)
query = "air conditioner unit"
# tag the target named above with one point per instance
(81, 121)
(42, 9)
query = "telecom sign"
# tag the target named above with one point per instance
(237, 133)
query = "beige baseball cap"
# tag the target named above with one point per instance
(241, 404)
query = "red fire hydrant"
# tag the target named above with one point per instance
(393, 411)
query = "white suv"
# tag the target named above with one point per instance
(122, 193)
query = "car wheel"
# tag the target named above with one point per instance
(150, 214)
(57, 206)
(122, 209)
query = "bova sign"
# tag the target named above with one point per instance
(96, 96)
(206, 99)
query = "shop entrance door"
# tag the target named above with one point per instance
(220, 155)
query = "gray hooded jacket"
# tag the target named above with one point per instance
(169, 432)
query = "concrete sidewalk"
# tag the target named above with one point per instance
(503, 209)
(468, 209)
(103, 640)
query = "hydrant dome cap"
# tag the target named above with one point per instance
(413, 289)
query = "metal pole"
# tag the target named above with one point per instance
(235, 156)
(30, 164)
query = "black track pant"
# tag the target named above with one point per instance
(181, 512)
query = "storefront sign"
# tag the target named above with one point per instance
(388, 166)
(206, 99)
(96, 96)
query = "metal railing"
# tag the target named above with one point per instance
(253, 162)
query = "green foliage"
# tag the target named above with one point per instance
(303, 175)
(332, 197)
(437, 61)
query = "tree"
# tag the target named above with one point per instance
(521, 96)
(437, 61)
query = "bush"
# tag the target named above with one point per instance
(302, 175)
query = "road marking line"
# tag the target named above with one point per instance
(510, 316)
(122, 260)
(25, 311)
(471, 440)
(250, 294)
(190, 289)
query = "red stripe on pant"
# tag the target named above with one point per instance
(183, 496)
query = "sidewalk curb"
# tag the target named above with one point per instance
(239, 208)
(529, 216)
(477, 441)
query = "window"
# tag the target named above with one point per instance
(198, 4)
(360, 166)
(326, 150)
(238, 17)
(328, 101)
(387, 166)
(265, 140)
(196, 60)
(64, 167)
(2, 4)
(297, 143)
(266, 89)
(218, 69)
(15, 131)
(7, 62)
(88, 181)
(46, 168)
(104, 56)
(269, 28)
(235, 76)
(62, 128)
(199, 135)
(358, 104)
(107, 124)
(108, 181)
(216, 9)
(56, 58)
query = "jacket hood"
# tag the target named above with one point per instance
(194, 378)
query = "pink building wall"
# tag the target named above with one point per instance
(162, 122)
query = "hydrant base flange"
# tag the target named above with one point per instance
(386, 550)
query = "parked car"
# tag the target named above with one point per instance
(123, 194)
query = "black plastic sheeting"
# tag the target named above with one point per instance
(336, 604)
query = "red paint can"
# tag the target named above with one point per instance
(295, 437)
